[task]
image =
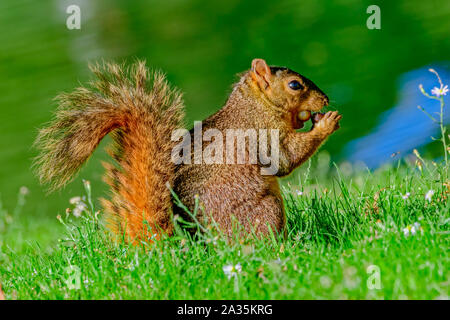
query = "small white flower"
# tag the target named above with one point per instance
(299, 192)
(79, 208)
(442, 91)
(429, 195)
(406, 195)
(409, 230)
(75, 200)
(24, 190)
(412, 229)
(406, 231)
(232, 270)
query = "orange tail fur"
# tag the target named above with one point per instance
(140, 111)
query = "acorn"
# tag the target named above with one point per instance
(304, 115)
(317, 117)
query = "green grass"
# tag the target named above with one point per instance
(338, 229)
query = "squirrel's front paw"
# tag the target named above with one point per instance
(329, 123)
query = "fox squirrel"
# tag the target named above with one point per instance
(140, 111)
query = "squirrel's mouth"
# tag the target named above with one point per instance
(301, 117)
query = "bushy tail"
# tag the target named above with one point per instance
(140, 111)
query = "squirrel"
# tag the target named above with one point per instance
(140, 110)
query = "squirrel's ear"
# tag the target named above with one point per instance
(261, 73)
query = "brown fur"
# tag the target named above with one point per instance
(141, 110)
(261, 99)
(141, 120)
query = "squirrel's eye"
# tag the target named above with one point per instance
(295, 85)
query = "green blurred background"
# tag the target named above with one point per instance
(201, 45)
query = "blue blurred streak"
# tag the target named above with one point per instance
(404, 127)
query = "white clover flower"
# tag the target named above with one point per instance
(299, 192)
(232, 270)
(406, 195)
(429, 195)
(442, 91)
